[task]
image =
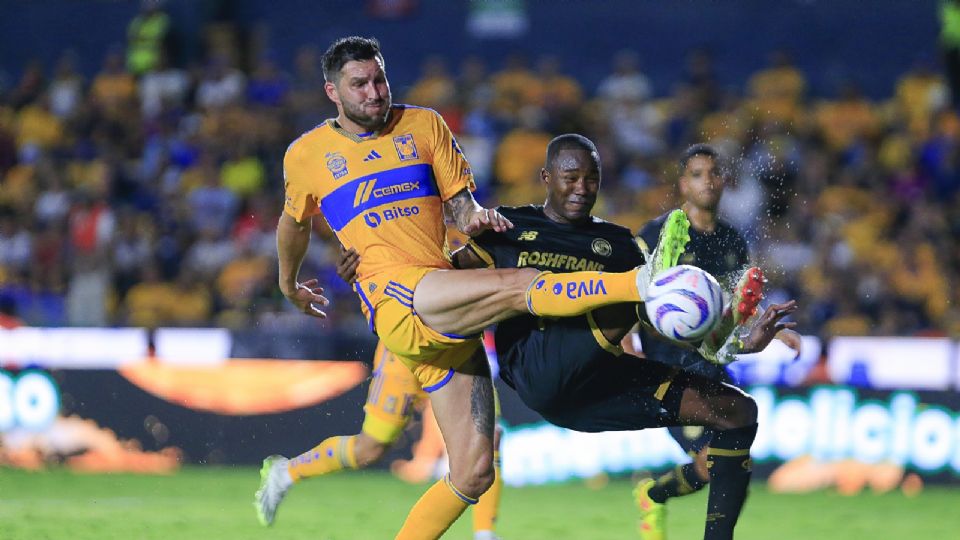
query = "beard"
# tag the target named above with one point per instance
(357, 115)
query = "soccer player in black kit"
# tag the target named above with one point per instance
(573, 371)
(722, 251)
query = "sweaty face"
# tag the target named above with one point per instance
(363, 93)
(702, 182)
(572, 180)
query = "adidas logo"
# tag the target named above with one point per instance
(372, 156)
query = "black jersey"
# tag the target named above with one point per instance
(558, 366)
(723, 253)
(538, 242)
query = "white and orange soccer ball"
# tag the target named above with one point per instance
(684, 303)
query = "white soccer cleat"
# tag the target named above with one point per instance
(274, 482)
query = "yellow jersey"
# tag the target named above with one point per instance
(381, 193)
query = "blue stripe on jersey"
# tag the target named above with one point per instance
(403, 288)
(350, 200)
(398, 298)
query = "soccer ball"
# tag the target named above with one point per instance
(684, 303)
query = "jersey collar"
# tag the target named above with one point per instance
(395, 114)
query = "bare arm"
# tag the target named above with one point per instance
(292, 241)
(471, 218)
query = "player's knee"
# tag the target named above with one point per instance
(476, 478)
(745, 412)
(368, 450)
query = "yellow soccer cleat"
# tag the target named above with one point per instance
(653, 515)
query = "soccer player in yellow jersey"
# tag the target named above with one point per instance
(380, 174)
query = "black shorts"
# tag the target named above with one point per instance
(565, 370)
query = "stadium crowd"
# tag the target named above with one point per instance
(150, 196)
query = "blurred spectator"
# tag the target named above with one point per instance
(560, 95)
(220, 85)
(626, 83)
(515, 86)
(919, 94)
(242, 172)
(268, 85)
(435, 88)
(847, 121)
(147, 37)
(113, 89)
(190, 302)
(520, 158)
(163, 88)
(131, 251)
(38, 126)
(15, 244)
(241, 280)
(212, 206)
(209, 254)
(778, 90)
(146, 303)
(66, 88)
(949, 11)
(308, 102)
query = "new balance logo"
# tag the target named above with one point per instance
(372, 156)
(529, 236)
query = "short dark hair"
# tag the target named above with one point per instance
(697, 150)
(568, 141)
(346, 49)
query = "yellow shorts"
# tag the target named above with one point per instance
(393, 395)
(431, 356)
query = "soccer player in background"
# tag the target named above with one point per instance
(721, 250)
(572, 371)
(381, 174)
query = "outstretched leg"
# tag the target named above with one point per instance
(464, 302)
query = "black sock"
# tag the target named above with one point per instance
(682, 480)
(728, 460)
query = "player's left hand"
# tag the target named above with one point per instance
(484, 219)
(347, 264)
(768, 326)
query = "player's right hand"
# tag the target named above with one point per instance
(307, 296)
(347, 265)
(484, 219)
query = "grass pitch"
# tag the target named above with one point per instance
(216, 504)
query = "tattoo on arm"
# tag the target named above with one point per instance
(459, 207)
(481, 405)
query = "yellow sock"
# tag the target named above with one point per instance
(575, 293)
(436, 510)
(485, 512)
(333, 454)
